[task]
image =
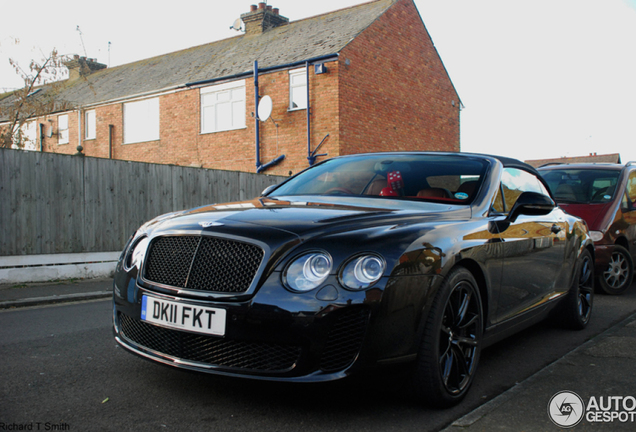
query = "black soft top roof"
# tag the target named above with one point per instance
(515, 163)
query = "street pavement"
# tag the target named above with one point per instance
(594, 386)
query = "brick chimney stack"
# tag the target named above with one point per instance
(262, 18)
(82, 66)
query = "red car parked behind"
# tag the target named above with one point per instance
(604, 195)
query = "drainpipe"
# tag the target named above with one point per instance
(260, 168)
(309, 158)
(256, 120)
(41, 136)
(111, 132)
(79, 128)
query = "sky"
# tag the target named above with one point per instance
(537, 79)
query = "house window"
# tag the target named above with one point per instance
(223, 107)
(141, 121)
(62, 129)
(298, 89)
(90, 125)
(28, 136)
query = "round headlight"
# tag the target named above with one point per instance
(308, 271)
(362, 272)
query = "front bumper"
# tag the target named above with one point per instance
(275, 335)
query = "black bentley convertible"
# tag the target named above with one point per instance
(354, 263)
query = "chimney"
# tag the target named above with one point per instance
(82, 66)
(262, 18)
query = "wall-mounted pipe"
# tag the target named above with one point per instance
(324, 58)
(260, 168)
(256, 120)
(311, 156)
(79, 129)
(308, 117)
(111, 135)
(41, 137)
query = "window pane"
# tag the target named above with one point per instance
(223, 116)
(207, 118)
(631, 187)
(223, 107)
(299, 97)
(90, 124)
(498, 205)
(62, 125)
(582, 186)
(516, 181)
(223, 96)
(298, 89)
(141, 121)
(238, 114)
(28, 136)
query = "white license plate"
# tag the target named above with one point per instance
(183, 316)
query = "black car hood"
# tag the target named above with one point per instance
(301, 218)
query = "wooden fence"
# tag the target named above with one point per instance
(52, 203)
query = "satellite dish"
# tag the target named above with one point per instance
(49, 131)
(238, 24)
(264, 108)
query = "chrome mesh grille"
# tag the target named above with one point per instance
(256, 356)
(203, 263)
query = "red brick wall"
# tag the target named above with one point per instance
(182, 143)
(51, 144)
(387, 91)
(394, 91)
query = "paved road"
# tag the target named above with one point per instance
(61, 366)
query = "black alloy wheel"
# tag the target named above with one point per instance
(451, 344)
(577, 306)
(619, 273)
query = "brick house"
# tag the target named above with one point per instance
(365, 78)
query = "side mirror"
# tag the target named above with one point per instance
(268, 189)
(531, 204)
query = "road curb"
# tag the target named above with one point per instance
(484, 410)
(66, 298)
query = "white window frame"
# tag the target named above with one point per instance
(62, 129)
(298, 89)
(141, 121)
(90, 125)
(223, 107)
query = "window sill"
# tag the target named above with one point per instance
(222, 130)
(142, 142)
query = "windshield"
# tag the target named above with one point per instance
(582, 186)
(442, 178)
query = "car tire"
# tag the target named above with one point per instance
(619, 273)
(451, 342)
(577, 306)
